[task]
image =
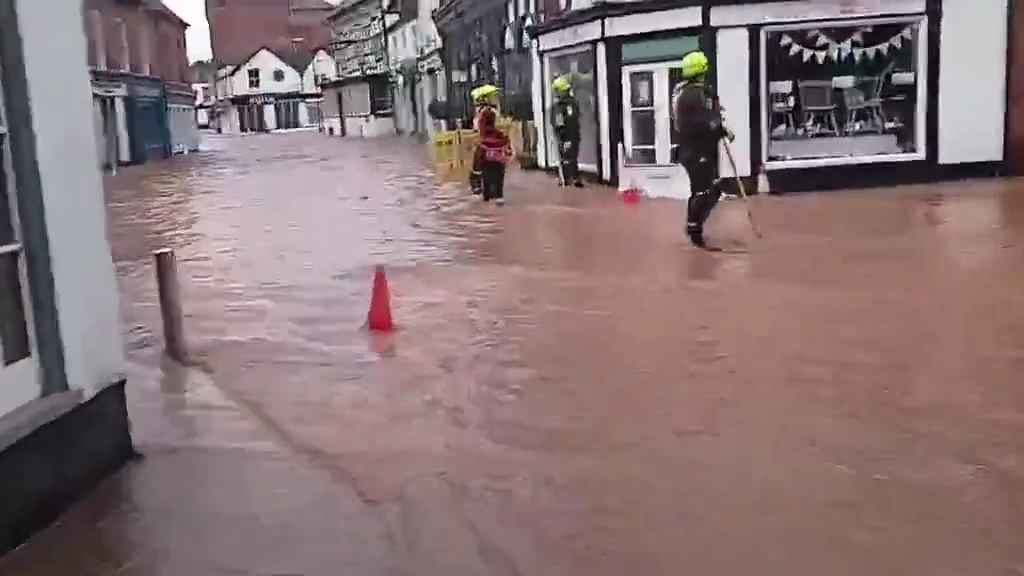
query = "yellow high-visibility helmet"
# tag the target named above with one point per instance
(695, 64)
(562, 84)
(483, 94)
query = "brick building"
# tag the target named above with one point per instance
(239, 28)
(143, 105)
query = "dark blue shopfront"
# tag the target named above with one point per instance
(146, 111)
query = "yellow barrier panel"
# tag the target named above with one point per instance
(453, 149)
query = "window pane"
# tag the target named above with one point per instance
(644, 156)
(6, 229)
(842, 91)
(13, 331)
(641, 86)
(643, 128)
(581, 66)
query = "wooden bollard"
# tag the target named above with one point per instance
(170, 304)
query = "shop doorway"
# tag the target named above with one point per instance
(647, 155)
(647, 112)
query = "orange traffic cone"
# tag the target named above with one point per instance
(763, 185)
(379, 318)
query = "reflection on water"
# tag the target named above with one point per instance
(574, 390)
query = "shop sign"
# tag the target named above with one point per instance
(431, 63)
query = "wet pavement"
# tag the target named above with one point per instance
(572, 388)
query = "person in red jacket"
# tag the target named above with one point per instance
(493, 149)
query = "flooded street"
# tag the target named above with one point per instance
(572, 388)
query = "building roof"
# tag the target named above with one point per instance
(161, 9)
(298, 61)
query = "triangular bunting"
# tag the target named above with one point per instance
(794, 49)
(908, 33)
(820, 56)
(808, 54)
(786, 40)
(884, 49)
(822, 40)
(858, 53)
(857, 37)
(870, 52)
(897, 41)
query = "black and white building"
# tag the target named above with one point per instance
(487, 42)
(269, 91)
(815, 90)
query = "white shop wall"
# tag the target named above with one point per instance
(972, 81)
(72, 190)
(734, 94)
(266, 62)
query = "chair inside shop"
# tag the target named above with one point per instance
(818, 106)
(783, 103)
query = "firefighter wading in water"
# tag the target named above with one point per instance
(565, 119)
(698, 119)
(493, 150)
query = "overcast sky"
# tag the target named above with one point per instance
(194, 12)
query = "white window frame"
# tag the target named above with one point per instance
(662, 111)
(921, 114)
(548, 102)
(20, 381)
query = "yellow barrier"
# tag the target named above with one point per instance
(453, 149)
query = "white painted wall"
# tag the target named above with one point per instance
(427, 38)
(182, 124)
(578, 34)
(539, 113)
(266, 62)
(972, 81)
(603, 115)
(322, 64)
(83, 272)
(803, 10)
(402, 42)
(646, 22)
(734, 93)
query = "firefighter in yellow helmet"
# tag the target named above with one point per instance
(565, 120)
(698, 120)
(493, 149)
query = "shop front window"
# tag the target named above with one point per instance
(580, 65)
(844, 92)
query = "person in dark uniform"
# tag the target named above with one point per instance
(698, 120)
(565, 119)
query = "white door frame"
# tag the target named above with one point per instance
(20, 382)
(662, 109)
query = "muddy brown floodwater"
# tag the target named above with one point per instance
(575, 390)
